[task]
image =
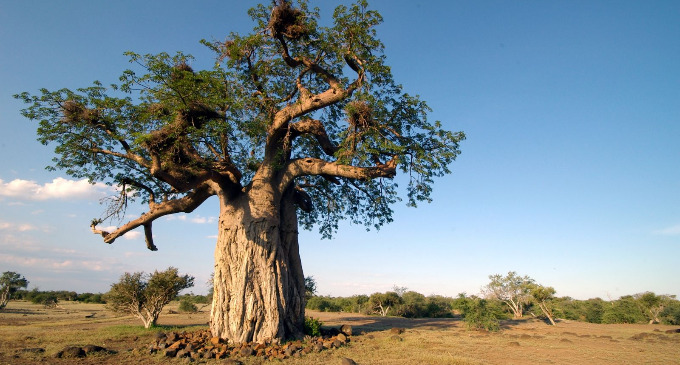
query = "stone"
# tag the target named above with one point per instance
(90, 349)
(170, 352)
(172, 336)
(513, 344)
(246, 351)
(347, 361)
(71, 352)
(397, 330)
(397, 338)
(215, 341)
(337, 343)
(176, 345)
(318, 347)
(341, 337)
(346, 329)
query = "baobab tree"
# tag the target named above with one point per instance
(297, 124)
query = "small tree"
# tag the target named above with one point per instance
(381, 303)
(652, 305)
(143, 298)
(310, 287)
(10, 282)
(513, 290)
(543, 295)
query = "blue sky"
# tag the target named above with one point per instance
(569, 173)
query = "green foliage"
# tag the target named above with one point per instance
(624, 310)
(145, 295)
(512, 289)
(479, 313)
(91, 298)
(310, 287)
(186, 305)
(671, 313)
(110, 134)
(313, 327)
(384, 303)
(47, 299)
(10, 282)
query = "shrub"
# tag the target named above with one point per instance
(186, 305)
(144, 296)
(313, 327)
(48, 299)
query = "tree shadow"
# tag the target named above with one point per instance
(368, 324)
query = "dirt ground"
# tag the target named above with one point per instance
(31, 334)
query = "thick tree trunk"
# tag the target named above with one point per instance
(258, 284)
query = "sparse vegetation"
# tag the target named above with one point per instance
(10, 282)
(313, 326)
(144, 296)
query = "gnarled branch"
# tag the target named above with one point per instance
(186, 204)
(315, 128)
(314, 166)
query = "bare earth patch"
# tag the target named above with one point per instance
(31, 334)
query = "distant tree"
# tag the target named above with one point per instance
(310, 287)
(623, 310)
(479, 313)
(413, 304)
(653, 305)
(10, 282)
(512, 289)
(187, 305)
(381, 303)
(543, 296)
(671, 314)
(144, 296)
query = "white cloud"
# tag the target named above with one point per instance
(132, 235)
(59, 188)
(20, 227)
(669, 231)
(203, 220)
(198, 219)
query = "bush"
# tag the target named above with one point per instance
(313, 327)
(48, 299)
(186, 305)
(323, 304)
(479, 313)
(624, 310)
(144, 296)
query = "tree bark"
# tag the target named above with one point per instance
(258, 283)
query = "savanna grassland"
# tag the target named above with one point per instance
(25, 328)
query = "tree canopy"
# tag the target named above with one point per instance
(144, 296)
(303, 104)
(10, 282)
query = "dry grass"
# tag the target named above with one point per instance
(425, 341)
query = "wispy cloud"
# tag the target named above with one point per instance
(16, 227)
(197, 219)
(59, 188)
(669, 231)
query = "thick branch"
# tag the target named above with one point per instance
(315, 128)
(185, 204)
(314, 166)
